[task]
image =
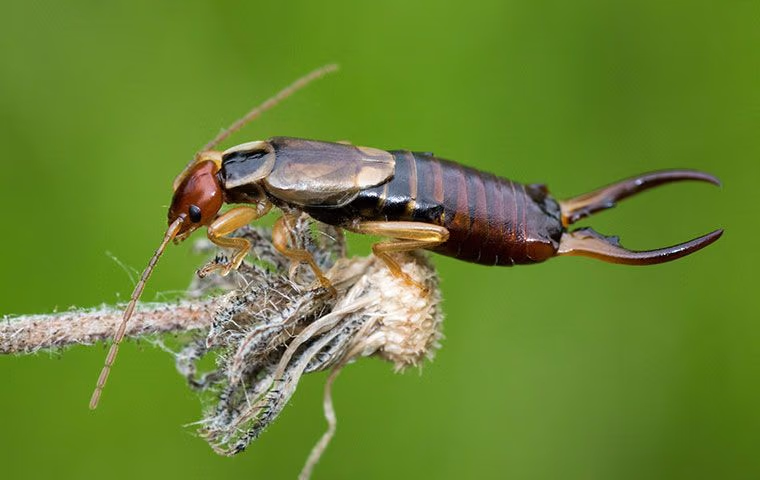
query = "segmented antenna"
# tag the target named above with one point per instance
(171, 232)
(270, 102)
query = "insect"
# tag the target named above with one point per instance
(417, 200)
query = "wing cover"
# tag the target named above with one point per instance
(247, 163)
(314, 173)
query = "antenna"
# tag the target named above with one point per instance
(256, 112)
(270, 102)
(171, 232)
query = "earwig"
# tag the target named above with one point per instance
(416, 199)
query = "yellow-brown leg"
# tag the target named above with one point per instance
(409, 236)
(281, 238)
(225, 224)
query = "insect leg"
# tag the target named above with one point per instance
(281, 236)
(225, 224)
(408, 236)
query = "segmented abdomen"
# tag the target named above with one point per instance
(491, 220)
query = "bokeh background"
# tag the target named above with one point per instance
(573, 369)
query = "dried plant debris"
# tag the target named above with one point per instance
(271, 330)
(266, 325)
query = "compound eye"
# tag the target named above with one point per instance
(195, 213)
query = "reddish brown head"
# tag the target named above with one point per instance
(198, 198)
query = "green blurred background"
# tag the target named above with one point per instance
(573, 369)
